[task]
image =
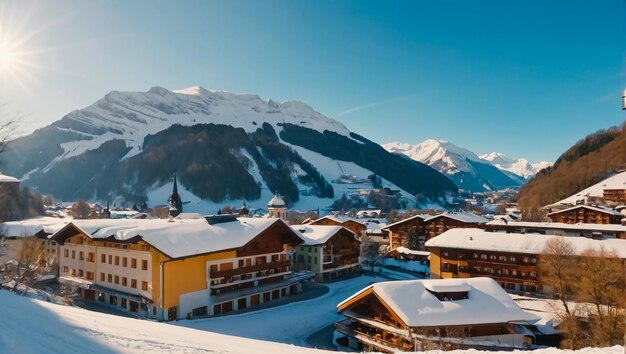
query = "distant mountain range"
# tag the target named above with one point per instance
(224, 147)
(468, 170)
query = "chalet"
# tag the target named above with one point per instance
(405, 254)
(614, 196)
(597, 231)
(399, 231)
(509, 258)
(178, 269)
(418, 315)
(441, 223)
(349, 223)
(586, 214)
(332, 252)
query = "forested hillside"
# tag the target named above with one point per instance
(589, 161)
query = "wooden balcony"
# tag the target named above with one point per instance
(251, 269)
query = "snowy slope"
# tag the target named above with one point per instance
(464, 167)
(131, 116)
(34, 326)
(617, 181)
(520, 167)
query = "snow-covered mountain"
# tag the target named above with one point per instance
(520, 167)
(223, 146)
(464, 167)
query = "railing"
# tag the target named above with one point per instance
(250, 269)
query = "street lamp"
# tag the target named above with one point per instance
(624, 100)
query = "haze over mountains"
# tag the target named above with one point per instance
(468, 170)
(223, 146)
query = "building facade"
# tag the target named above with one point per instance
(180, 269)
(586, 214)
(332, 252)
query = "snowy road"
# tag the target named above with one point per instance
(291, 323)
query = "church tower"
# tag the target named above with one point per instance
(277, 208)
(176, 204)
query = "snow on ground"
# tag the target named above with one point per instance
(414, 266)
(291, 323)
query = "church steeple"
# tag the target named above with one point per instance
(176, 204)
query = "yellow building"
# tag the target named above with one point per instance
(180, 269)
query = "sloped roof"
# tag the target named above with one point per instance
(30, 227)
(597, 208)
(559, 225)
(181, 238)
(318, 234)
(418, 216)
(481, 240)
(461, 216)
(340, 219)
(413, 302)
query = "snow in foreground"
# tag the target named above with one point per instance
(33, 326)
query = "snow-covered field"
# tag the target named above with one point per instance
(28, 325)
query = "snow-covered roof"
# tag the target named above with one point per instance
(617, 181)
(558, 225)
(478, 239)
(317, 234)
(30, 227)
(415, 304)
(405, 250)
(418, 216)
(597, 208)
(8, 179)
(276, 202)
(461, 216)
(340, 219)
(180, 238)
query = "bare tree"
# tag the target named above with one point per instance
(602, 284)
(81, 210)
(30, 261)
(369, 252)
(557, 266)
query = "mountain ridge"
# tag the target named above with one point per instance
(217, 141)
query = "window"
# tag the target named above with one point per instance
(66, 253)
(103, 258)
(492, 257)
(91, 257)
(109, 278)
(475, 255)
(65, 269)
(483, 256)
(80, 273)
(73, 272)
(513, 272)
(512, 259)
(124, 302)
(117, 260)
(241, 263)
(117, 279)
(101, 276)
(89, 275)
(533, 260)
(133, 283)
(315, 260)
(101, 296)
(502, 258)
(526, 259)
(124, 281)
(110, 259)
(113, 300)
(144, 285)
(200, 311)
(133, 262)
(81, 256)
(73, 254)
(445, 254)
(124, 262)
(144, 264)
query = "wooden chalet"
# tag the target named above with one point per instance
(511, 259)
(400, 230)
(349, 223)
(419, 315)
(586, 214)
(438, 224)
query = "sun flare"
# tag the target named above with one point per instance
(9, 60)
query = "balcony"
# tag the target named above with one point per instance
(251, 269)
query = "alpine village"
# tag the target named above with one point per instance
(198, 220)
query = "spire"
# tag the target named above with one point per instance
(176, 204)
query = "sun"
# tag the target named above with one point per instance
(9, 58)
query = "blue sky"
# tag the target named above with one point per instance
(527, 78)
